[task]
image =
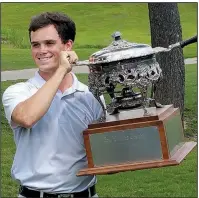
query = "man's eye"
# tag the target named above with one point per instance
(50, 43)
(35, 45)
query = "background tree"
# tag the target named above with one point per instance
(166, 30)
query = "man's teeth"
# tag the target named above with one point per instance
(43, 59)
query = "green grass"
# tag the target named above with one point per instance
(95, 23)
(177, 181)
(191, 104)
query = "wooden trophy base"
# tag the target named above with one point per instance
(129, 141)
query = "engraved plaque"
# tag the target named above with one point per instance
(136, 142)
(133, 145)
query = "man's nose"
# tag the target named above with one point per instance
(43, 48)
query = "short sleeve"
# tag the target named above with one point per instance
(12, 96)
(97, 108)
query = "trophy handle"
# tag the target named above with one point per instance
(189, 41)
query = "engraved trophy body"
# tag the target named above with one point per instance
(128, 65)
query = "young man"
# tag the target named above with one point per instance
(48, 114)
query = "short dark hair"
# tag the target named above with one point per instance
(64, 25)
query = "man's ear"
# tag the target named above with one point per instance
(68, 45)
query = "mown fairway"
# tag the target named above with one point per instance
(95, 23)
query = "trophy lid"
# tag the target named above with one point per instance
(120, 49)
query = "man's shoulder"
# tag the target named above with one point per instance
(83, 87)
(19, 87)
(84, 92)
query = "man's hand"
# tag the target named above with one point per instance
(67, 58)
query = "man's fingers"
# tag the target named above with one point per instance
(68, 56)
(72, 57)
(73, 60)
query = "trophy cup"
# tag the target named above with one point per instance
(135, 131)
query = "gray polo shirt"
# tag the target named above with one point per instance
(49, 154)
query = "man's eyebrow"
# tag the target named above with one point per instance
(34, 42)
(50, 40)
(45, 41)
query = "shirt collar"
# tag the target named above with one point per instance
(38, 81)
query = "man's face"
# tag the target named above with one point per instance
(46, 46)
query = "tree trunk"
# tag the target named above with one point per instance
(166, 30)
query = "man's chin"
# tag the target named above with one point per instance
(47, 68)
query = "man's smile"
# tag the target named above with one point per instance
(46, 58)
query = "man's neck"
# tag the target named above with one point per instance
(65, 84)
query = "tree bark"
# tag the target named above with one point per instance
(166, 30)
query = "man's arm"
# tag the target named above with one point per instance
(28, 112)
